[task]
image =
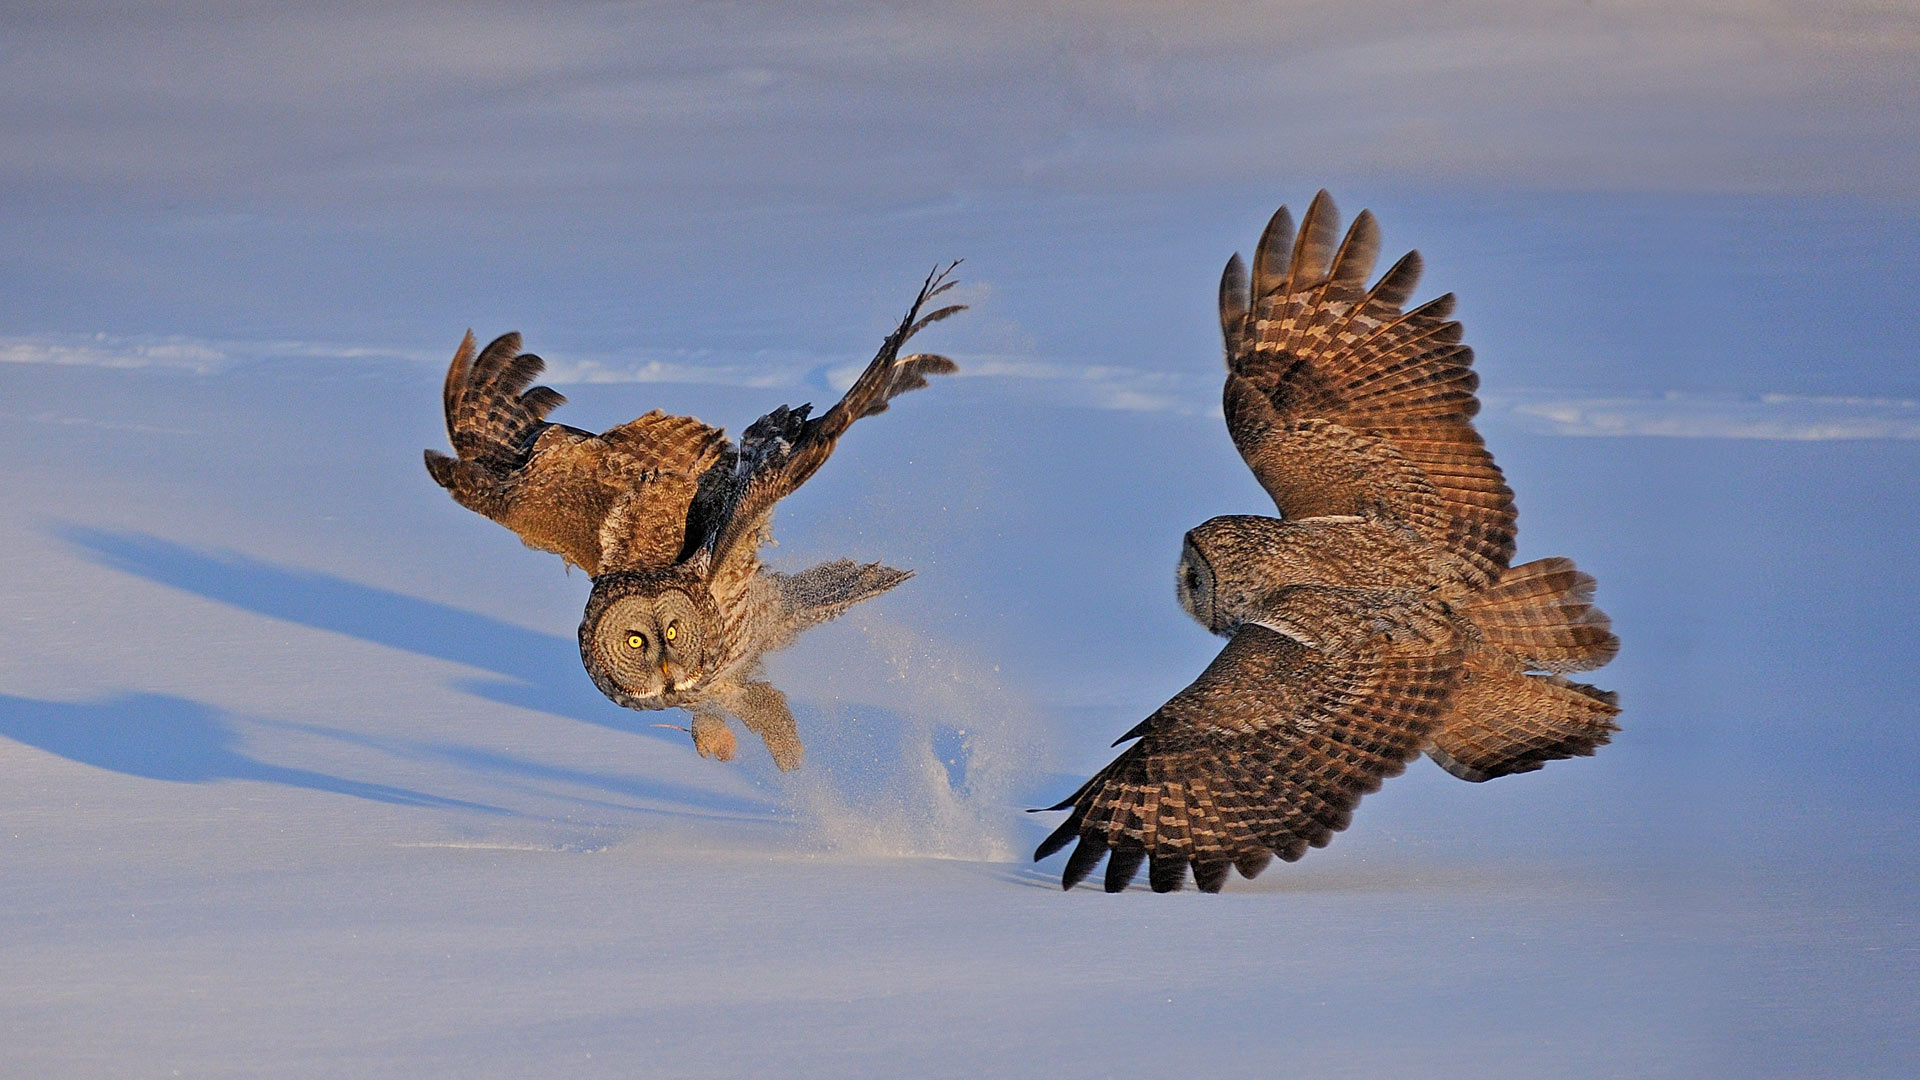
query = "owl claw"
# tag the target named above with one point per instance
(713, 739)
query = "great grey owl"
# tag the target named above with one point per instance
(1378, 617)
(668, 516)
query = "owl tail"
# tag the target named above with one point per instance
(823, 593)
(1542, 614)
(1506, 721)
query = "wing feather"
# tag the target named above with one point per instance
(782, 449)
(1317, 343)
(617, 500)
(1270, 749)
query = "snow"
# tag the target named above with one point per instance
(300, 774)
(304, 778)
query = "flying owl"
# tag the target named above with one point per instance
(667, 516)
(1376, 618)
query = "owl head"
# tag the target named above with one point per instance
(1227, 565)
(1193, 583)
(651, 640)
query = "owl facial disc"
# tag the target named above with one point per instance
(1194, 584)
(649, 640)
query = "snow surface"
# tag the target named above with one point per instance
(303, 777)
(299, 772)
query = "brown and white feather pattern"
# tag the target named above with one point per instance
(1505, 720)
(1541, 618)
(614, 501)
(668, 517)
(1542, 613)
(1318, 344)
(1388, 398)
(1380, 618)
(1270, 749)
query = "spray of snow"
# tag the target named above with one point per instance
(913, 750)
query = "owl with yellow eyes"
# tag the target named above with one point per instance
(668, 516)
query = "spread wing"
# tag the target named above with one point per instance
(1343, 403)
(613, 501)
(1332, 691)
(779, 451)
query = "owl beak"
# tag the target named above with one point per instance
(673, 674)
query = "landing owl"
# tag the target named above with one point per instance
(1378, 617)
(667, 516)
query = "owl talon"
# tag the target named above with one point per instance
(713, 739)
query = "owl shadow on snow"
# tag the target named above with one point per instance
(535, 670)
(530, 669)
(160, 737)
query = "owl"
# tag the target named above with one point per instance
(668, 516)
(1377, 618)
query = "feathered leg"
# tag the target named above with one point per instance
(711, 736)
(764, 710)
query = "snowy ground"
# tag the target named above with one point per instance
(299, 772)
(302, 776)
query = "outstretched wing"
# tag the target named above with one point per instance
(1341, 402)
(779, 451)
(1328, 693)
(618, 500)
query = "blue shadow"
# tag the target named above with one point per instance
(529, 775)
(534, 670)
(168, 738)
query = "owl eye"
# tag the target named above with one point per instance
(639, 641)
(673, 631)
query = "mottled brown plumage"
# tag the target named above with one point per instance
(1311, 705)
(1320, 367)
(1540, 617)
(668, 517)
(1356, 417)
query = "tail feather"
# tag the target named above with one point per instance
(1505, 721)
(824, 592)
(1542, 612)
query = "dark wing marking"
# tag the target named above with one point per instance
(1308, 336)
(779, 451)
(618, 500)
(1270, 749)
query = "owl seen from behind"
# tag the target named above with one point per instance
(1378, 617)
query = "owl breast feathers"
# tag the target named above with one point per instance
(1376, 618)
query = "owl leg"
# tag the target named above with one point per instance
(764, 710)
(711, 736)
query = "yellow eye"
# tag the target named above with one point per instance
(636, 641)
(673, 631)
